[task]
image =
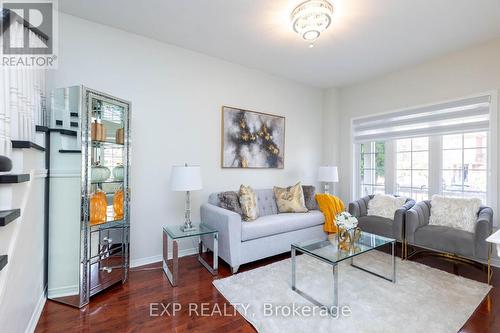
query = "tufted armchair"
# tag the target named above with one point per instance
(379, 225)
(447, 239)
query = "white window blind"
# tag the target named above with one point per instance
(466, 115)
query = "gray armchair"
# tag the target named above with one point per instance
(379, 225)
(447, 239)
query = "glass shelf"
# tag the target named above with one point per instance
(98, 144)
(108, 225)
(109, 181)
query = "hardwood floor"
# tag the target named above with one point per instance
(126, 308)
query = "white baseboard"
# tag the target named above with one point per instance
(36, 313)
(63, 291)
(157, 258)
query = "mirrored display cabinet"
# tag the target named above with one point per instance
(88, 194)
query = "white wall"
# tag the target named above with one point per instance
(176, 99)
(468, 72)
(331, 126)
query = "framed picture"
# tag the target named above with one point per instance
(252, 139)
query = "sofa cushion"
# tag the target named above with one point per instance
(280, 223)
(445, 239)
(459, 213)
(310, 197)
(248, 202)
(290, 199)
(377, 225)
(266, 202)
(230, 200)
(385, 205)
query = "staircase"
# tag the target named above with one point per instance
(23, 234)
(24, 228)
(23, 219)
(10, 215)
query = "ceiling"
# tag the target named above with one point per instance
(367, 38)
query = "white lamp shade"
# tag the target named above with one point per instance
(328, 174)
(185, 178)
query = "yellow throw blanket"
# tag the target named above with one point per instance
(330, 206)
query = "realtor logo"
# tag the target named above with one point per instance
(28, 32)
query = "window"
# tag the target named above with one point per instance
(372, 168)
(465, 172)
(434, 149)
(412, 168)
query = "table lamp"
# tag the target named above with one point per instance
(328, 174)
(186, 178)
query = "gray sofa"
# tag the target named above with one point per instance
(446, 239)
(242, 242)
(379, 225)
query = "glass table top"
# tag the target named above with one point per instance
(330, 251)
(175, 232)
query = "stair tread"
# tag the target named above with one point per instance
(39, 128)
(57, 130)
(7, 216)
(14, 178)
(64, 131)
(3, 261)
(70, 151)
(26, 145)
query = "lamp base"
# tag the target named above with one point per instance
(188, 228)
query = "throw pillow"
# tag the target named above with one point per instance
(385, 205)
(458, 213)
(248, 202)
(229, 200)
(309, 197)
(290, 199)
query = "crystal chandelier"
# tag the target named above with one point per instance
(311, 18)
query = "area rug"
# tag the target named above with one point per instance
(423, 299)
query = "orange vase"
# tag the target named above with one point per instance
(98, 207)
(118, 204)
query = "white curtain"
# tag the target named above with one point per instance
(23, 98)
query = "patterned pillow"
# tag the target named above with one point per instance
(230, 201)
(290, 199)
(458, 213)
(385, 205)
(248, 202)
(309, 197)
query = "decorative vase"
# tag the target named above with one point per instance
(120, 136)
(98, 207)
(118, 172)
(99, 173)
(97, 131)
(348, 237)
(118, 204)
(5, 164)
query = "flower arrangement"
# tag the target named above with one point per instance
(348, 231)
(346, 221)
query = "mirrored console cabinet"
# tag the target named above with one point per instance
(88, 194)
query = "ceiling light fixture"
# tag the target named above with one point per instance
(311, 18)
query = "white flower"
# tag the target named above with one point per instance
(346, 220)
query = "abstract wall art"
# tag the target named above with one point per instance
(252, 139)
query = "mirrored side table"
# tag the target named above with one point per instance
(172, 234)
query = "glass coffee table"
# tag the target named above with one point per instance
(329, 252)
(173, 234)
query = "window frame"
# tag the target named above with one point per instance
(372, 152)
(462, 150)
(435, 157)
(412, 151)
